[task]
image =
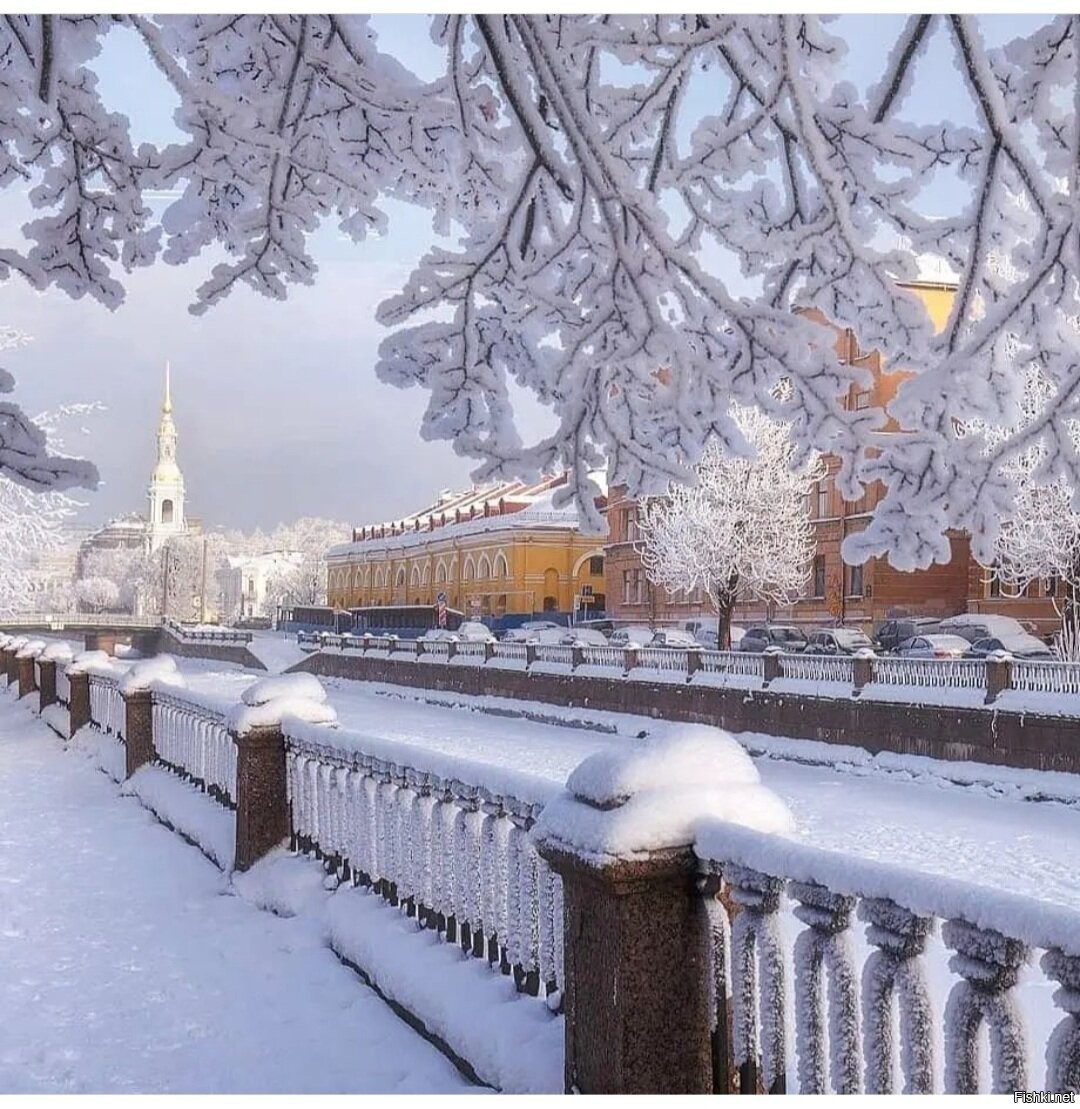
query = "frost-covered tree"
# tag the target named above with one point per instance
(632, 192)
(1040, 539)
(303, 582)
(743, 525)
(32, 521)
(97, 594)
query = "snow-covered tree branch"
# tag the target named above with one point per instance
(31, 522)
(633, 194)
(743, 527)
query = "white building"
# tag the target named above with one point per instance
(166, 491)
(244, 584)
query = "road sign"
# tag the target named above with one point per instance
(441, 598)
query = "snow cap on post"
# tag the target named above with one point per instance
(629, 801)
(87, 661)
(266, 703)
(58, 652)
(31, 648)
(161, 670)
(15, 642)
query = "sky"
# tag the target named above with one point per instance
(277, 406)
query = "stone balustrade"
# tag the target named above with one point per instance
(730, 959)
(840, 673)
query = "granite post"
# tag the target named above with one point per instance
(79, 702)
(138, 730)
(262, 813)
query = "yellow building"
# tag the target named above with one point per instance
(495, 550)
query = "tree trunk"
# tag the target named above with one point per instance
(725, 605)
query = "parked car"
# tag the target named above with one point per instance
(583, 637)
(547, 636)
(472, 631)
(440, 635)
(978, 625)
(706, 630)
(892, 633)
(672, 637)
(634, 633)
(784, 636)
(524, 632)
(838, 641)
(1019, 646)
(934, 646)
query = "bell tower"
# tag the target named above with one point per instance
(166, 490)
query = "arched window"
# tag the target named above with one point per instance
(166, 512)
(468, 570)
(501, 570)
(440, 573)
(425, 577)
(400, 579)
(414, 578)
(483, 568)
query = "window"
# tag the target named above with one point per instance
(855, 581)
(862, 400)
(819, 576)
(627, 587)
(822, 504)
(995, 586)
(596, 565)
(1050, 587)
(639, 587)
(632, 532)
(166, 512)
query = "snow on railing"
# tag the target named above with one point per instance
(742, 663)
(818, 668)
(952, 673)
(604, 656)
(107, 710)
(198, 634)
(59, 620)
(1045, 677)
(850, 1042)
(193, 741)
(516, 651)
(63, 684)
(438, 648)
(454, 855)
(556, 653)
(471, 651)
(662, 658)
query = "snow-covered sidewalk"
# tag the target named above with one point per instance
(130, 965)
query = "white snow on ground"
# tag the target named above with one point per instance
(277, 651)
(897, 808)
(187, 809)
(513, 1041)
(131, 968)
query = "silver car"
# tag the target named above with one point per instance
(934, 646)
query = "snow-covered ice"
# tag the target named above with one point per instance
(131, 967)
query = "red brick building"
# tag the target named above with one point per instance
(858, 596)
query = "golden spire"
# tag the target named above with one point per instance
(167, 406)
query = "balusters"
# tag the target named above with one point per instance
(757, 974)
(1063, 1047)
(988, 963)
(896, 967)
(824, 948)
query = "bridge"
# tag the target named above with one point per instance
(147, 634)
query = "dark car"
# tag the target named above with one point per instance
(784, 636)
(1019, 646)
(899, 630)
(838, 641)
